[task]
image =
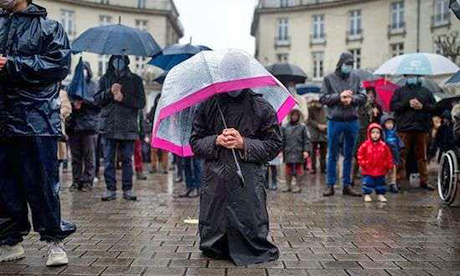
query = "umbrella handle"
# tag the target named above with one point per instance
(238, 167)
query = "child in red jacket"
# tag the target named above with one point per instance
(375, 160)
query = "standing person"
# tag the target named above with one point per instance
(82, 128)
(121, 95)
(193, 170)
(272, 172)
(343, 95)
(296, 144)
(32, 65)
(395, 144)
(233, 218)
(444, 139)
(456, 118)
(413, 105)
(376, 161)
(65, 112)
(160, 158)
(138, 161)
(317, 124)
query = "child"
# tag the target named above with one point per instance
(395, 144)
(375, 160)
(296, 141)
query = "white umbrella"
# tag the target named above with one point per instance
(418, 64)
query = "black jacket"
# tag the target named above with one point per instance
(407, 118)
(38, 53)
(85, 121)
(456, 118)
(234, 219)
(333, 85)
(120, 119)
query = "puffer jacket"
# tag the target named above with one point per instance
(296, 140)
(334, 84)
(375, 158)
(392, 139)
(120, 119)
(38, 53)
(456, 118)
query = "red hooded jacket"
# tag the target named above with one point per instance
(375, 158)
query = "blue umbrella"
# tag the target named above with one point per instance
(175, 54)
(308, 88)
(455, 79)
(116, 40)
(161, 78)
(78, 89)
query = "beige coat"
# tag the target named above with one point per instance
(66, 110)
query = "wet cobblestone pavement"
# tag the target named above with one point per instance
(410, 235)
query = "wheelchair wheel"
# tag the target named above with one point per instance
(448, 177)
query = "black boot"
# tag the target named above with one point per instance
(187, 193)
(329, 191)
(348, 191)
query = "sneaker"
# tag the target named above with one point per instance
(95, 180)
(393, 188)
(367, 198)
(381, 198)
(109, 196)
(329, 191)
(195, 193)
(348, 191)
(179, 180)
(56, 255)
(86, 187)
(11, 253)
(153, 171)
(129, 195)
(74, 187)
(187, 193)
(140, 176)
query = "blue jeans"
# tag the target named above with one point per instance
(193, 169)
(341, 135)
(126, 148)
(371, 183)
(29, 177)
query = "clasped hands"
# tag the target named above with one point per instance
(230, 139)
(116, 91)
(416, 104)
(346, 97)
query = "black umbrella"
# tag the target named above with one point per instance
(455, 7)
(455, 79)
(116, 40)
(286, 72)
(446, 102)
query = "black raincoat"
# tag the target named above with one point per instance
(38, 54)
(233, 219)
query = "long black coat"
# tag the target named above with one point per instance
(38, 53)
(233, 219)
(120, 120)
(85, 121)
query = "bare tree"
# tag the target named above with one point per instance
(449, 45)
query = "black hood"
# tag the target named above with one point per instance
(344, 58)
(87, 67)
(111, 70)
(31, 10)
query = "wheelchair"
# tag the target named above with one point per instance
(449, 178)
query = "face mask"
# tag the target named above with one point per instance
(346, 69)
(412, 80)
(235, 94)
(119, 64)
(7, 4)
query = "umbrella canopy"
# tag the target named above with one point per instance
(175, 54)
(78, 89)
(427, 83)
(364, 75)
(303, 89)
(286, 72)
(116, 40)
(454, 5)
(446, 102)
(455, 79)
(384, 90)
(418, 64)
(200, 78)
(161, 78)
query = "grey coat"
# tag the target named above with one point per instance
(317, 117)
(333, 85)
(296, 141)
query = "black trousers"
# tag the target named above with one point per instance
(30, 178)
(82, 148)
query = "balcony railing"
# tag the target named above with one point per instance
(319, 39)
(355, 35)
(440, 20)
(397, 29)
(282, 41)
(270, 4)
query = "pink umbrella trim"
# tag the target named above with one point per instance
(186, 151)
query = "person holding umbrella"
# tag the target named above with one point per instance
(343, 95)
(121, 95)
(32, 65)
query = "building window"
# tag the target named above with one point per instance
(68, 22)
(397, 15)
(357, 57)
(318, 65)
(397, 49)
(355, 23)
(140, 61)
(103, 60)
(105, 20)
(283, 29)
(318, 27)
(441, 12)
(105, 2)
(141, 4)
(282, 58)
(142, 25)
(285, 3)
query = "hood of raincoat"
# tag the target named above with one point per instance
(87, 67)
(387, 117)
(456, 113)
(371, 127)
(345, 57)
(30, 83)
(294, 111)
